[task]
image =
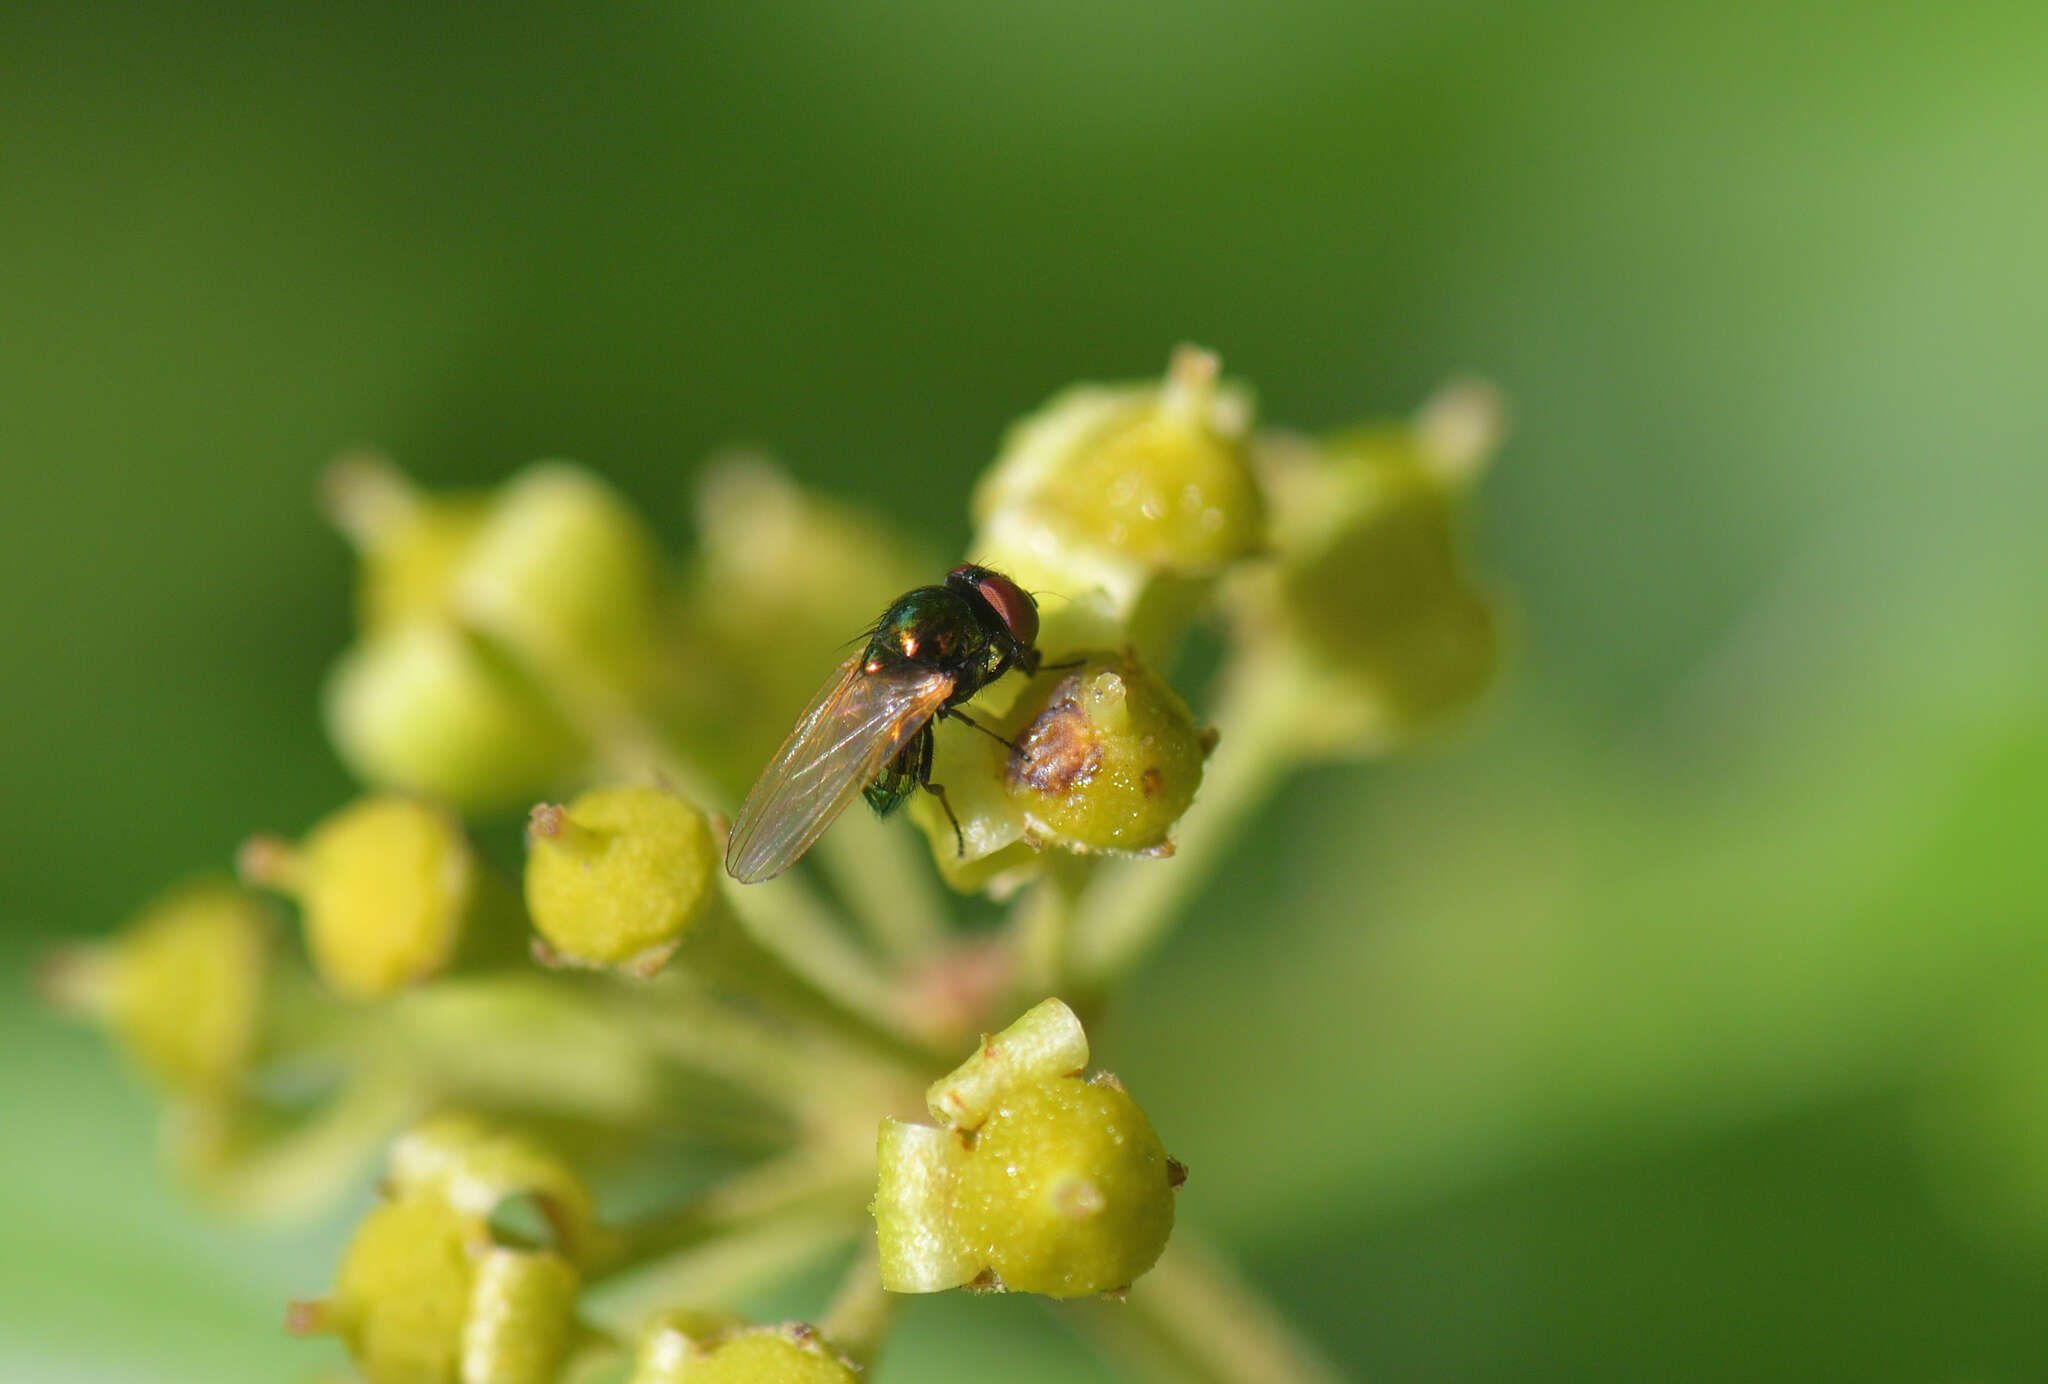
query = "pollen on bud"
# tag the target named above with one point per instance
(621, 877)
(1136, 490)
(390, 890)
(684, 1348)
(1042, 1182)
(183, 987)
(564, 575)
(431, 709)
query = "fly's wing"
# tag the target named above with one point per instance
(855, 725)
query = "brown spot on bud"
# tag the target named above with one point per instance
(1059, 749)
(1176, 1172)
(1151, 781)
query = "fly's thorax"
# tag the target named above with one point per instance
(935, 628)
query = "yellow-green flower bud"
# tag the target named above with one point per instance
(183, 987)
(621, 877)
(680, 1348)
(565, 576)
(1066, 1189)
(521, 1315)
(430, 1291)
(391, 892)
(477, 1169)
(430, 709)
(1044, 1042)
(411, 543)
(1107, 759)
(1372, 592)
(1041, 1182)
(424, 1297)
(1142, 491)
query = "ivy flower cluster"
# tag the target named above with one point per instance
(612, 1092)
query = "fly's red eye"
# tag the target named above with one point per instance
(1018, 611)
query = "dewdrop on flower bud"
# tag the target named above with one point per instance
(391, 892)
(564, 575)
(1372, 593)
(431, 709)
(1144, 492)
(429, 1290)
(183, 987)
(688, 1348)
(1038, 1182)
(621, 877)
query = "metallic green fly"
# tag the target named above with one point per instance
(869, 730)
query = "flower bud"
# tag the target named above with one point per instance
(424, 1297)
(430, 709)
(564, 575)
(1142, 491)
(682, 1348)
(477, 1169)
(1372, 593)
(410, 542)
(1042, 1182)
(184, 987)
(620, 877)
(430, 1291)
(391, 892)
(1107, 759)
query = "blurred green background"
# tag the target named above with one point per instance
(1683, 1020)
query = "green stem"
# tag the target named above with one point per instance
(721, 1269)
(891, 892)
(813, 967)
(811, 1185)
(861, 1313)
(1191, 1320)
(1042, 923)
(1131, 905)
(802, 939)
(812, 1076)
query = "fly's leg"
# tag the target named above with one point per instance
(923, 775)
(962, 716)
(938, 790)
(1032, 667)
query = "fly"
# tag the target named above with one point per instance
(868, 732)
